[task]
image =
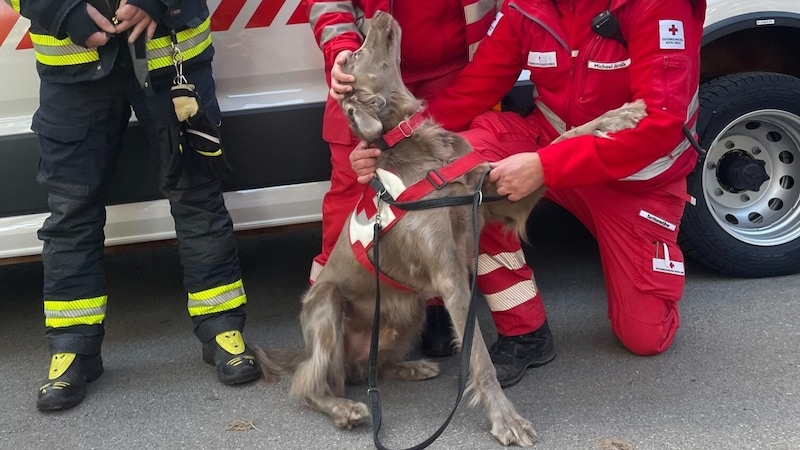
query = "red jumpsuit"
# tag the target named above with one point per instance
(629, 190)
(438, 39)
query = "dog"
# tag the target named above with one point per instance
(425, 254)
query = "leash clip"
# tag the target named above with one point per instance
(379, 205)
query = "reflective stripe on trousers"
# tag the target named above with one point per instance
(218, 299)
(66, 313)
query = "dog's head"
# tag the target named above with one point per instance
(379, 99)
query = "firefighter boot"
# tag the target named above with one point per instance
(235, 362)
(66, 382)
(512, 355)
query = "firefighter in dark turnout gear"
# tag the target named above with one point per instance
(94, 68)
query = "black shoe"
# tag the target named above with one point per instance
(235, 362)
(437, 337)
(65, 386)
(511, 355)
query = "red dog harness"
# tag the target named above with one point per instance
(361, 226)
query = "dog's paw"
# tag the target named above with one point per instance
(411, 370)
(513, 429)
(625, 117)
(347, 413)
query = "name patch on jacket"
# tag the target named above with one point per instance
(542, 59)
(615, 65)
(494, 23)
(670, 34)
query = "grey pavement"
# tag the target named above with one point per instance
(730, 381)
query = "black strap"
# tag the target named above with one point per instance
(441, 202)
(373, 391)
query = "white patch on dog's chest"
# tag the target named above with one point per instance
(362, 220)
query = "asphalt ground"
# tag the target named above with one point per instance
(731, 380)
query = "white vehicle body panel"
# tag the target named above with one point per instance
(266, 58)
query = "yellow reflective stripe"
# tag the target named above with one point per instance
(216, 153)
(61, 52)
(15, 5)
(69, 322)
(218, 299)
(192, 42)
(85, 311)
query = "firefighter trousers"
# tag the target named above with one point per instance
(635, 224)
(80, 128)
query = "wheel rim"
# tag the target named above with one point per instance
(769, 216)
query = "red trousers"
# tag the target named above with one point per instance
(636, 227)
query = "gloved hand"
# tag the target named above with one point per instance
(200, 137)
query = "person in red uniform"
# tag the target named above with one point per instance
(437, 42)
(629, 190)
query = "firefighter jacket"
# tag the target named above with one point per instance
(341, 25)
(59, 29)
(578, 75)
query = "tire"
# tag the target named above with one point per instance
(747, 226)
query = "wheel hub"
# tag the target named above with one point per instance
(751, 181)
(738, 171)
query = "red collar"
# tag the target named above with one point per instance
(403, 130)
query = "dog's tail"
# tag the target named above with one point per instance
(276, 363)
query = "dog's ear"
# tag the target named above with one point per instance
(363, 108)
(366, 125)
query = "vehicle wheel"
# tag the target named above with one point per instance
(747, 219)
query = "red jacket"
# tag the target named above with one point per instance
(338, 25)
(579, 75)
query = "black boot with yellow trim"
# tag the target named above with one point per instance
(222, 308)
(65, 386)
(234, 361)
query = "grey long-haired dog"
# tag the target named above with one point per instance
(430, 251)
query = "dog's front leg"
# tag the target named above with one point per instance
(507, 425)
(320, 377)
(622, 118)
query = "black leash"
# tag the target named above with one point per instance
(441, 202)
(469, 330)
